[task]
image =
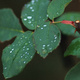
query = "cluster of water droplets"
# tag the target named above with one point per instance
(55, 38)
(46, 48)
(44, 26)
(30, 19)
(57, 13)
(11, 50)
(26, 54)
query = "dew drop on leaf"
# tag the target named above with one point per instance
(32, 10)
(27, 48)
(5, 67)
(24, 62)
(44, 25)
(10, 51)
(29, 17)
(26, 43)
(31, 7)
(44, 51)
(42, 28)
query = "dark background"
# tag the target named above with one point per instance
(55, 66)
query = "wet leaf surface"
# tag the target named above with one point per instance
(18, 54)
(34, 13)
(47, 38)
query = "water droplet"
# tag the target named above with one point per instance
(31, 7)
(57, 13)
(44, 25)
(12, 45)
(29, 22)
(25, 19)
(48, 45)
(5, 67)
(25, 37)
(41, 28)
(23, 49)
(40, 39)
(29, 42)
(32, 25)
(54, 40)
(23, 46)
(50, 48)
(21, 56)
(43, 47)
(32, 10)
(10, 51)
(20, 38)
(55, 37)
(29, 17)
(26, 43)
(27, 48)
(25, 57)
(40, 16)
(27, 53)
(27, 5)
(32, 19)
(32, 1)
(24, 62)
(31, 57)
(38, 26)
(44, 51)
(47, 15)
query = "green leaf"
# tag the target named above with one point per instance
(74, 48)
(47, 38)
(9, 25)
(18, 54)
(56, 8)
(68, 29)
(34, 13)
(74, 73)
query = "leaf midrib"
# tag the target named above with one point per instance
(10, 29)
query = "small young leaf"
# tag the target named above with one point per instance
(65, 28)
(34, 12)
(74, 48)
(56, 8)
(18, 54)
(74, 73)
(9, 25)
(47, 38)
